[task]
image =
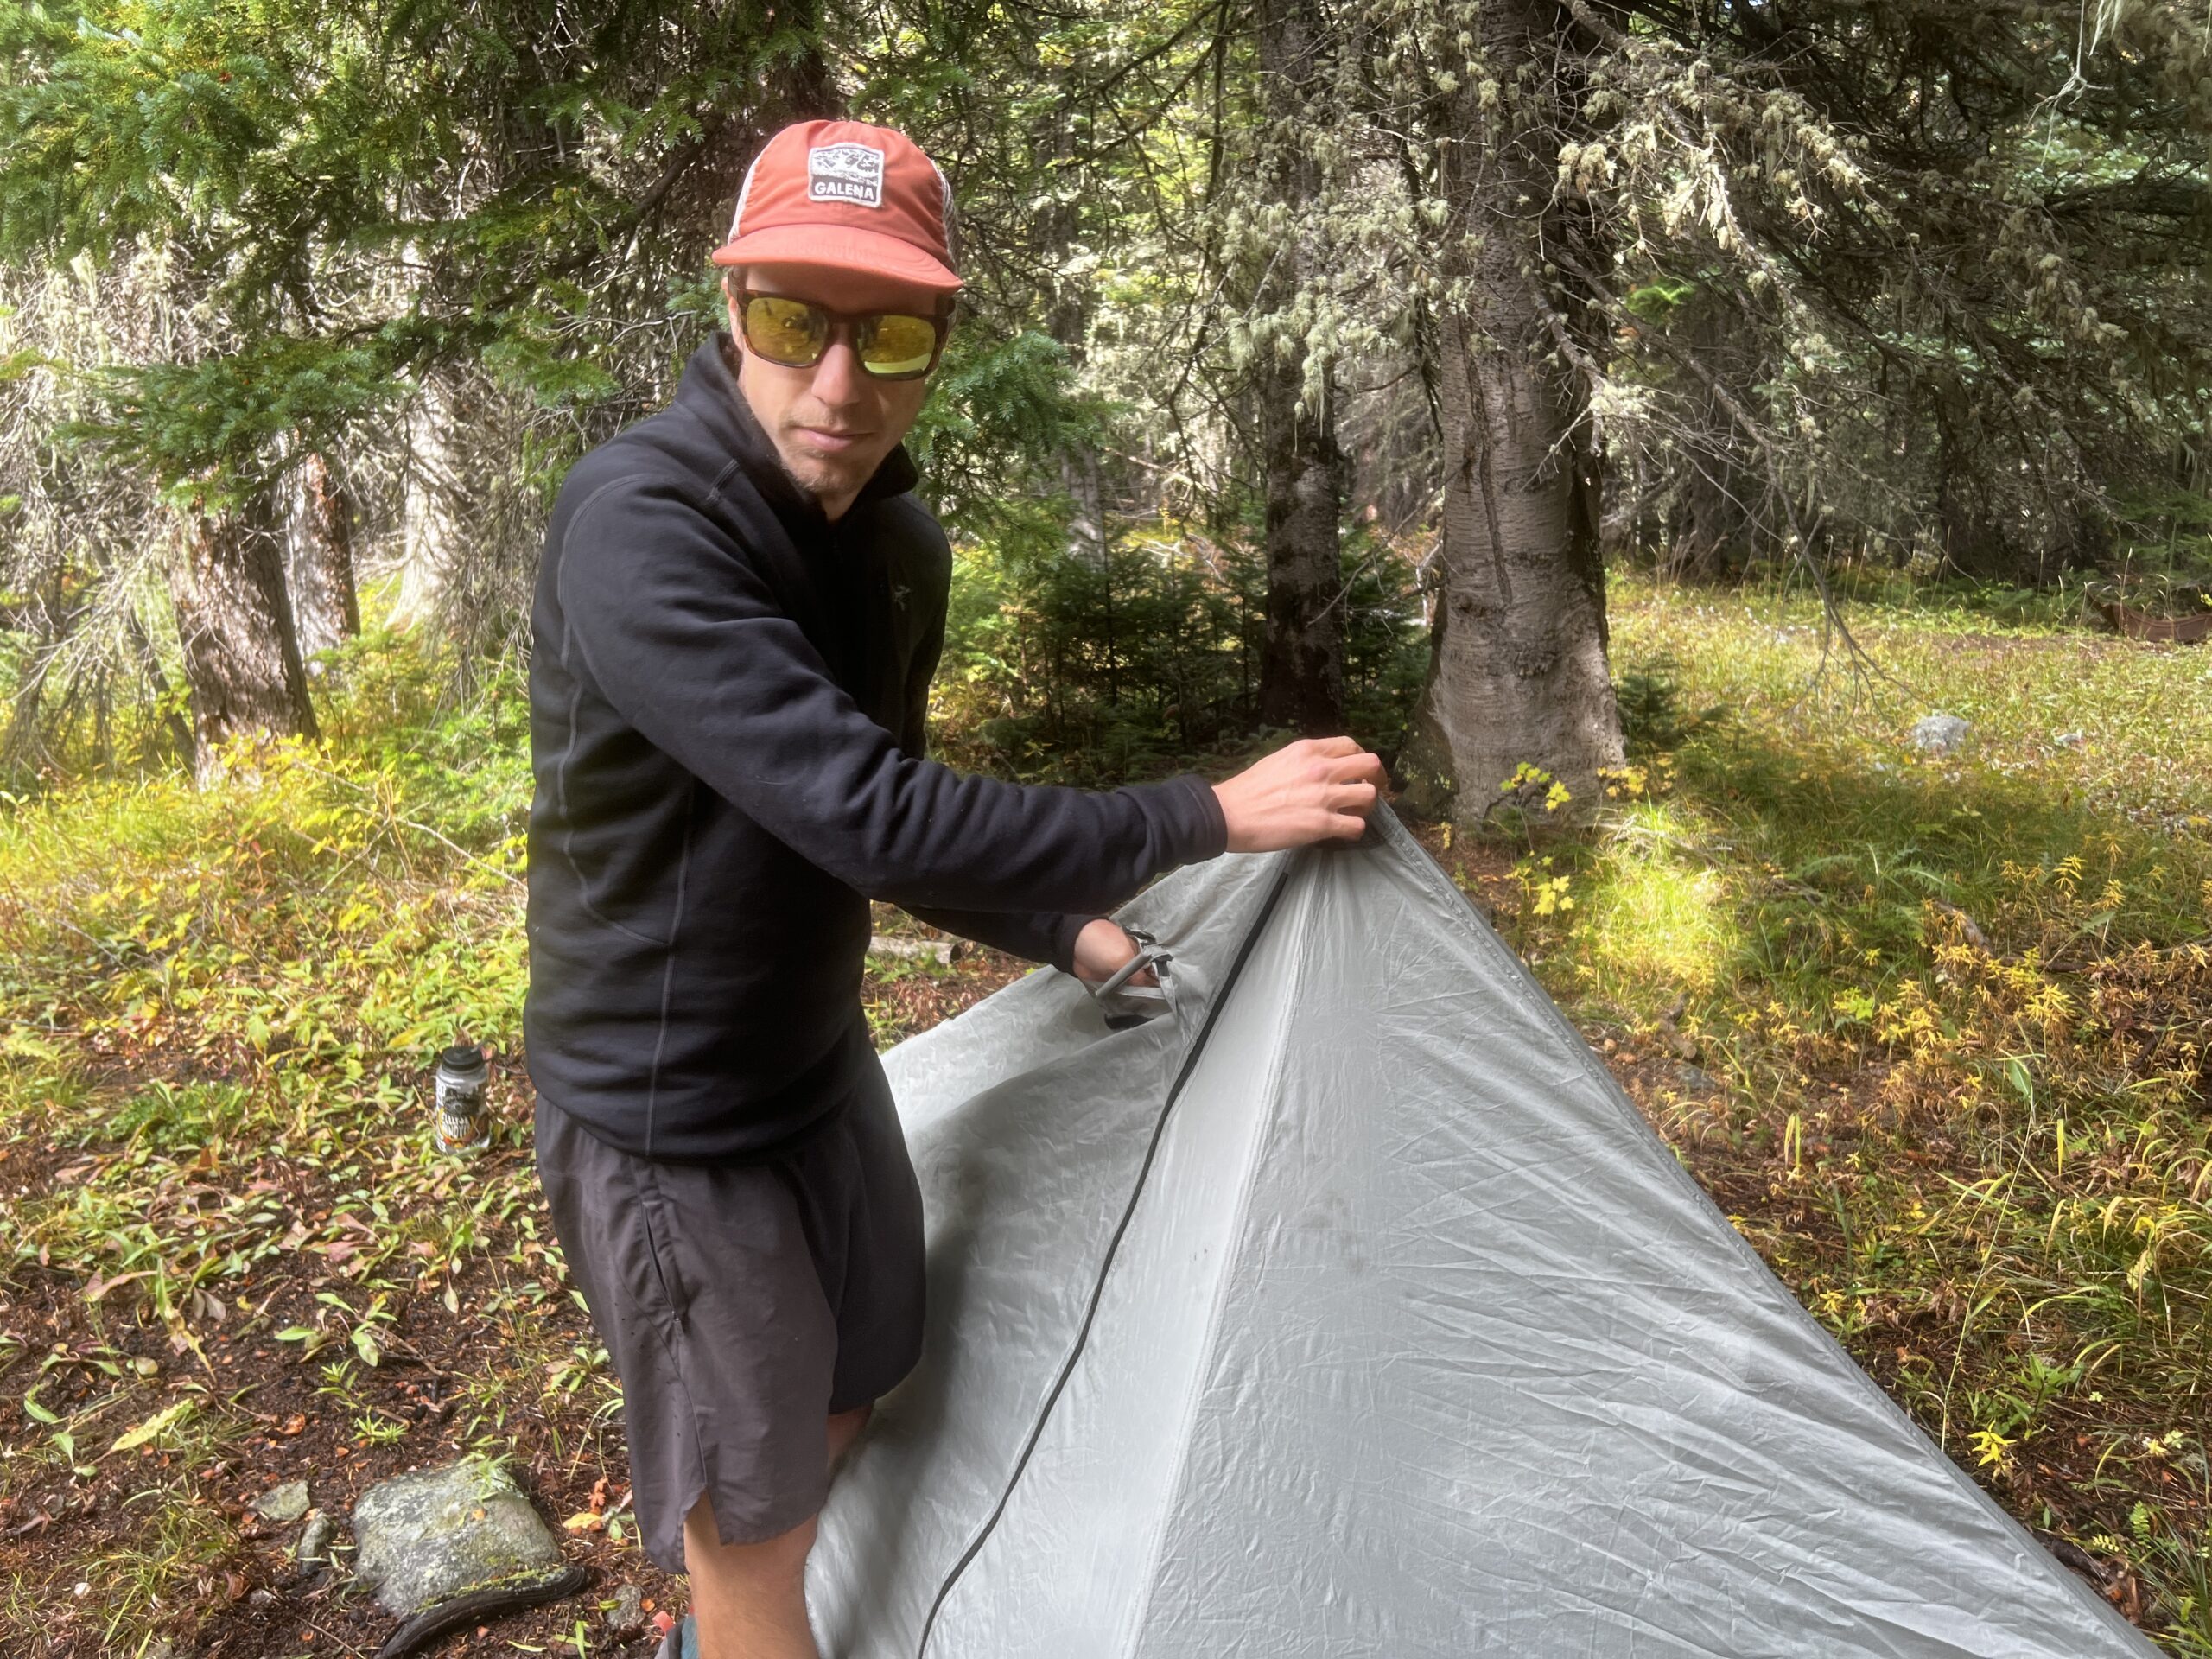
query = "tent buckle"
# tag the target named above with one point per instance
(1125, 1005)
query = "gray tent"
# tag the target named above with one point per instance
(1348, 1308)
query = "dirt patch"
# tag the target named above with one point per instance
(267, 1376)
(268, 1413)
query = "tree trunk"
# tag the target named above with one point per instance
(431, 502)
(1972, 544)
(241, 654)
(1085, 483)
(320, 547)
(1302, 654)
(1069, 299)
(1518, 670)
(1721, 516)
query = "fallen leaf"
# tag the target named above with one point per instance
(585, 1521)
(99, 1287)
(294, 1423)
(131, 1438)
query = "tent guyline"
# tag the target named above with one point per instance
(1113, 1245)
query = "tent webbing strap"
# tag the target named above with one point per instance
(1113, 1245)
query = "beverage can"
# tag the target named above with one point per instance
(459, 1124)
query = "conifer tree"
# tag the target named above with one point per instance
(348, 199)
(1302, 652)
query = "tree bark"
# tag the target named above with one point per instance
(1302, 651)
(319, 545)
(1518, 672)
(1069, 298)
(1972, 543)
(1302, 654)
(1084, 481)
(241, 652)
(431, 502)
(1720, 519)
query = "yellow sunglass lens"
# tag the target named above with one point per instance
(786, 331)
(795, 333)
(898, 343)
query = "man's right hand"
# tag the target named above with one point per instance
(1316, 788)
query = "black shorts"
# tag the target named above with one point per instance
(743, 1305)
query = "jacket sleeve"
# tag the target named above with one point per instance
(1046, 936)
(684, 640)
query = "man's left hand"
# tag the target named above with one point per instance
(1100, 951)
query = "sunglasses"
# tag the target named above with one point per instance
(794, 334)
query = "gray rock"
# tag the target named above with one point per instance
(315, 1539)
(2073, 739)
(1939, 733)
(627, 1615)
(1695, 1081)
(285, 1503)
(423, 1538)
(936, 950)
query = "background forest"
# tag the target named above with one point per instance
(1629, 416)
(1462, 300)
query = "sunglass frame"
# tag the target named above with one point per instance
(846, 325)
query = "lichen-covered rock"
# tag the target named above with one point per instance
(423, 1538)
(314, 1539)
(1939, 733)
(282, 1503)
(627, 1615)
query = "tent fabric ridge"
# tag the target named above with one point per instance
(1286, 865)
(1854, 1376)
(1356, 1309)
(1238, 1247)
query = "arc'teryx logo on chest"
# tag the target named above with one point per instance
(850, 173)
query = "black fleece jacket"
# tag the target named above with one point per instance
(727, 697)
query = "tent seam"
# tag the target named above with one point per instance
(1287, 864)
(1187, 1418)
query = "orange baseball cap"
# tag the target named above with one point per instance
(847, 195)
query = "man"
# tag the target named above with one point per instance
(738, 615)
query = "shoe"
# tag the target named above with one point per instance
(682, 1641)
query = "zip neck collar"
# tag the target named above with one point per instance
(709, 393)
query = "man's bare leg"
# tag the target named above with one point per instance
(750, 1599)
(845, 1428)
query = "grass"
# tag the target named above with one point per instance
(1930, 1028)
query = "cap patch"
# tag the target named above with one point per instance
(851, 173)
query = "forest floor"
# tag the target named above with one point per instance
(1931, 1029)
